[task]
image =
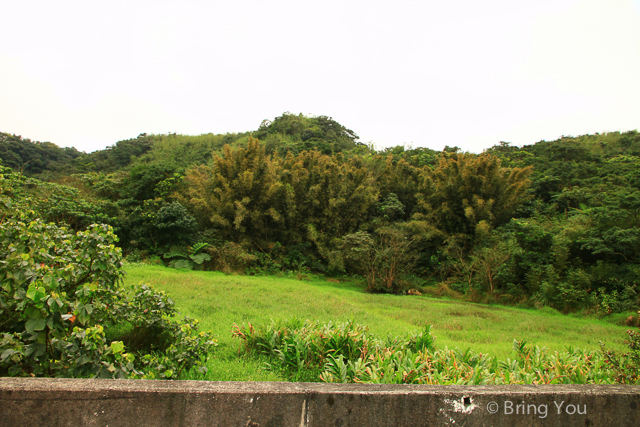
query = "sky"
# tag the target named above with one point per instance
(416, 73)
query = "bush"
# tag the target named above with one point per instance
(625, 367)
(381, 260)
(175, 225)
(302, 348)
(56, 203)
(231, 258)
(188, 259)
(59, 291)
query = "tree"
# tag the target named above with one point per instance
(464, 190)
(238, 195)
(331, 196)
(381, 259)
(297, 133)
(492, 257)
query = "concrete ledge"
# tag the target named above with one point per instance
(76, 402)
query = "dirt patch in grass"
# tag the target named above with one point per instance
(474, 313)
(452, 326)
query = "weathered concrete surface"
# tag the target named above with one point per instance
(73, 402)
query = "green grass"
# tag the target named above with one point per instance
(220, 300)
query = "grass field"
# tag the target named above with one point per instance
(220, 300)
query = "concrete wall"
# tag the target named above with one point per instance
(74, 402)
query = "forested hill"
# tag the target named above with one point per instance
(556, 223)
(285, 133)
(34, 158)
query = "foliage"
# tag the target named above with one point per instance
(549, 224)
(36, 158)
(463, 191)
(307, 345)
(54, 202)
(626, 366)
(174, 225)
(532, 365)
(304, 345)
(347, 352)
(58, 292)
(492, 258)
(237, 194)
(166, 346)
(487, 265)
(381, 260)
(144, 178)
(157, 225)
(231, 258)
(328, 198)
(188, 260)
(398, 180)
(260, 201)
(117, 156)
(391, 208)
(297, 133)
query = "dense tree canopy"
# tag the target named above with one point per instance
(553, 223)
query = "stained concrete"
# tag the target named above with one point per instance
(81, 402)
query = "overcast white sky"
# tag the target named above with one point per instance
(426, 73)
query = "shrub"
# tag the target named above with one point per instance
(189, 259)
(381, 260)
(304, 347)
(231, 258)
(60, 290)
(175, 225)
(625, 367)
